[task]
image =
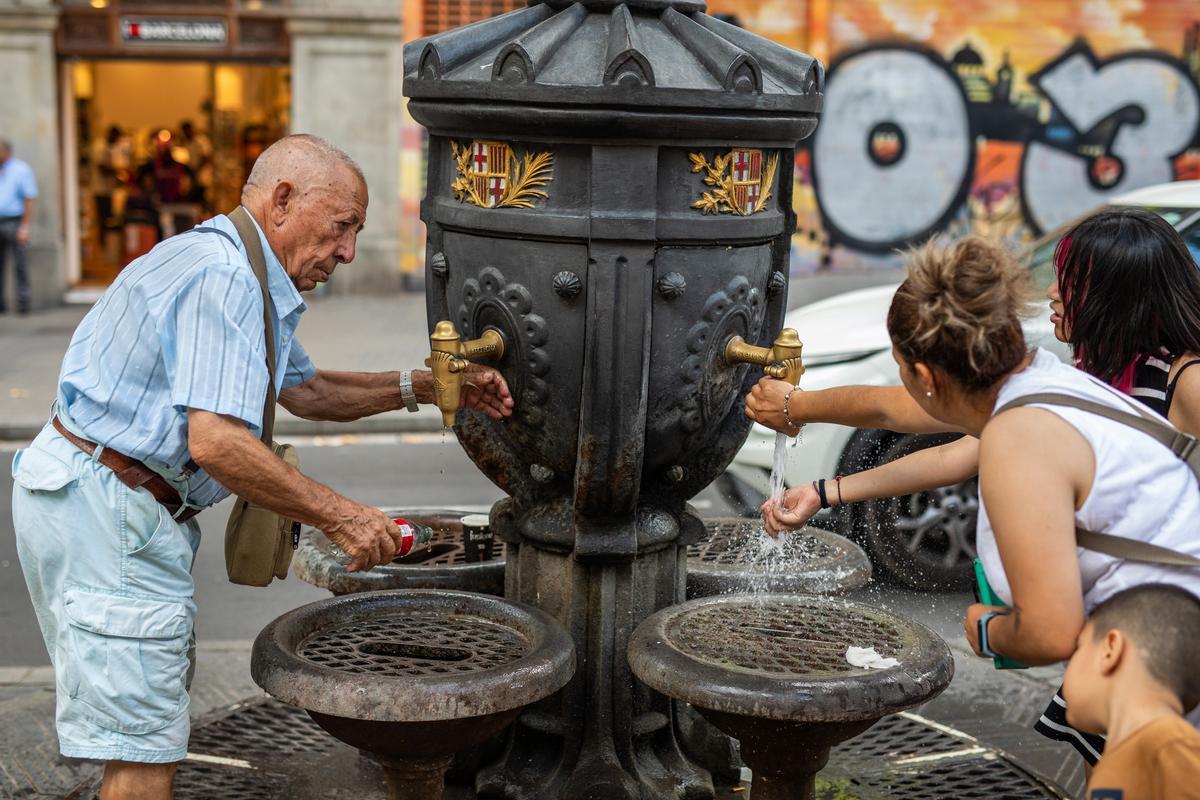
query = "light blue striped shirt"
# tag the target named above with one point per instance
(16, 186)
(180, 328)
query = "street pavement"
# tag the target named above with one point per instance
(395, 460)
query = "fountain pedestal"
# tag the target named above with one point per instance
(771, 671)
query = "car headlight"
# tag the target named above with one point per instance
(850, 356)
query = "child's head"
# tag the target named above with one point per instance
(1147, 634)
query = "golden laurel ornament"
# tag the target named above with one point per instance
(489, 175)
(741, 179)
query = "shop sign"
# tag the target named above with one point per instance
(174, 31)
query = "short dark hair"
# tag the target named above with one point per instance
(1163, 622)
(1129, 288)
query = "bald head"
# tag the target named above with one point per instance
(310, 199)
(305, 161)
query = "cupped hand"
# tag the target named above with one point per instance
(764, 405)
(792, 512)
(366, 534)
(486, 390)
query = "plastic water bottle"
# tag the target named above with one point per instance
(412, 534)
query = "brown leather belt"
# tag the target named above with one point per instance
(132, 473)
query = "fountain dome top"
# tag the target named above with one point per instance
(655, 54)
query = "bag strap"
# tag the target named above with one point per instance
(248, 232)
(1132, 549)
(1183, 445)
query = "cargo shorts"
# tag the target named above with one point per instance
(109, 574)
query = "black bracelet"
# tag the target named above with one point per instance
(821, 493)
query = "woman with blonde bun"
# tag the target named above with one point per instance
(1125, 297)
(1044, 469)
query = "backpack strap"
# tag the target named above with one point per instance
(1183, 445)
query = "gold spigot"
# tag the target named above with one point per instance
(781, 360)
(448, 359)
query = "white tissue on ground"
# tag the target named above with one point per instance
(867, 658)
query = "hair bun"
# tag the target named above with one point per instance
(960, 309)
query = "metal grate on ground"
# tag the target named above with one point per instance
(267, 728)
(907, 757)
(265, 750)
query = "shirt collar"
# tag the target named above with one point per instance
(284, 294)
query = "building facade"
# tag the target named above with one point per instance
(141, 116)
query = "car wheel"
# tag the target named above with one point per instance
(924, 540)
(744, 500)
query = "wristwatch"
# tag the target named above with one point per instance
(406, 390)
(984, 647)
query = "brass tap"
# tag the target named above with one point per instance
(781, 360)
(448, 359)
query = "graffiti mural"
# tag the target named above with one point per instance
(956, 116)
(959, 115)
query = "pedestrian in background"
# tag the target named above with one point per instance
(18, 190)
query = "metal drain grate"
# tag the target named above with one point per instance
(898, 737)
(735, 541)
(979, 779)
(204, 782)
(781, 638)
(267, 728)
(414, 643)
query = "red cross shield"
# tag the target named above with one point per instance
(489, 171)
(745, 168)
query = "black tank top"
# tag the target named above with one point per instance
(1150, 384)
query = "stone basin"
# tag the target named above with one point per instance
(770, 670)
(410, 678)
(810, 561)
(440, 566)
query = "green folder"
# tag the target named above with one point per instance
(985, 595)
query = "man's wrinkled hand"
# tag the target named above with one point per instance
(486, 390)
(367, 535)
(764, 405)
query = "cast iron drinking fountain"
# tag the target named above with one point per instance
(771, 671)
(608, 213)
(412, 678)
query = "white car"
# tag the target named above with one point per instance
(925, 540)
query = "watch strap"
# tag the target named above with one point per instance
(984, 644)
(406, 390)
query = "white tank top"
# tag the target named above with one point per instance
(1141, 489)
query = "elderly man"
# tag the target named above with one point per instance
(18, 190)
(166, 377)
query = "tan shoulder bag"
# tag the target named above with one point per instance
(259, 542)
